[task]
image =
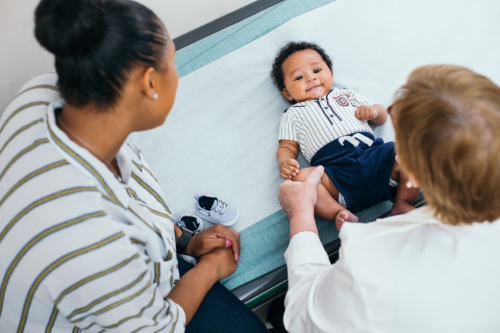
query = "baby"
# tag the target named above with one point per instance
(331, 128)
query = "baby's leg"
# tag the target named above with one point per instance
(404, 195)
(327, 206)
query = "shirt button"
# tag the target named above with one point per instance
(322, 99)
(331, 115)
(326, 107)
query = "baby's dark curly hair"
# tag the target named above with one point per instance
(288, 50)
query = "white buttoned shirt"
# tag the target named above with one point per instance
(407, 273)
(78, 249)
(314, 124)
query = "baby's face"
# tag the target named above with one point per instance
(307, 76)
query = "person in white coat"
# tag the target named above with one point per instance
(434, 269)
(87, 240)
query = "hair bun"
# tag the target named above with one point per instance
(69, 27)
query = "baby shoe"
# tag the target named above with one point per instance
(191, 222)
(215, 210)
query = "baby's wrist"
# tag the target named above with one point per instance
(283, 163)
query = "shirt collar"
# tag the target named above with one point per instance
(302, 104)
(111, 189)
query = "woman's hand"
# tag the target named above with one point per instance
(212, 238)
(220, 262)
(298, 200)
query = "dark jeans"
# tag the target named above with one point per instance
(221, 311)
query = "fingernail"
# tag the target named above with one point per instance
(237, 258)
(228, 243)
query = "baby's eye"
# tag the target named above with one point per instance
(298, 78)
(317, 70)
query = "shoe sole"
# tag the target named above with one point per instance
(226, 224)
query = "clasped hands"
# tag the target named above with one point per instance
(219, 247)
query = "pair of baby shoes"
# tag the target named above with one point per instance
(211, 209)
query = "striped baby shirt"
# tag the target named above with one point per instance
(78, 249)
(314, 124)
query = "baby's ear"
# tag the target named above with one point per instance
(286, 94)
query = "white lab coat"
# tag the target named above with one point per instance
(407, 273)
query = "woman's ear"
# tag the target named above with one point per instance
(286, 94)
(148, 83)
(411, 178)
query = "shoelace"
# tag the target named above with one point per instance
(221, 204)
(201, 210)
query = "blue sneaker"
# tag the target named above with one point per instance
(190, 222)
(215, 210)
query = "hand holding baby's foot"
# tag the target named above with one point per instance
(344, 216)
(401, 207)
(289, 168)
(366, 112)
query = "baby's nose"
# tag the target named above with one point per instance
(311, 78)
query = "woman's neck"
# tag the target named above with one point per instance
(104, 131)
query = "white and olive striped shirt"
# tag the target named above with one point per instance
(316, 123)
(78, 249)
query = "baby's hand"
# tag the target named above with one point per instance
(289, 168)
(365, 112)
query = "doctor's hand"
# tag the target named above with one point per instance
(216, 237)
(366, 112)
(300, 198)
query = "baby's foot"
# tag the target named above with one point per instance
(401, 207)
(344, 216)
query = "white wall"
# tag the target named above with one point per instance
(181, 16)
(21, 57)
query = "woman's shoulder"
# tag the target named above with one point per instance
(42, 81)
(36, 179)
(40, 90)
(29, 105)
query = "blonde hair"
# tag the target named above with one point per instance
(447, 122)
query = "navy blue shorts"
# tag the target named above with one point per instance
(360, 173)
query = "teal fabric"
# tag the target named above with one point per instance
(215, 46)
(264, 243)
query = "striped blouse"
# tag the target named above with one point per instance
(78, 249)
(314, 124)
